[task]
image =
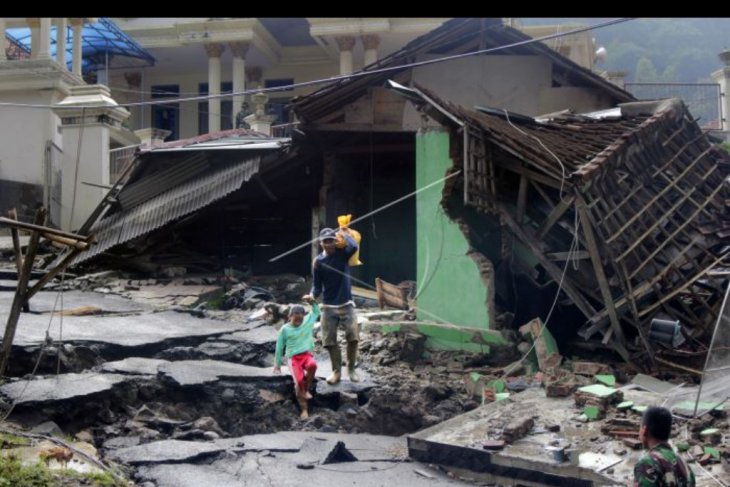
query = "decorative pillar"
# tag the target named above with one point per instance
(3, 57)
(34, 23)
(77, 25)
(87, 110)
(44, 39)
(259, 121)
(345, 44)
(61, 42)
(214, 51)
(239, 49)
(370, 42)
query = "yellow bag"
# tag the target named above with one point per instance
(344, 221)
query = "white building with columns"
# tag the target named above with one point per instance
(198, 56)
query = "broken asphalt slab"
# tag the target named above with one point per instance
(195, 372)
(44, 302)
(165, 451)
(60, 388)
(364, 447)
(192, 372)
(126, 331)
(280, 469)
(272, 459)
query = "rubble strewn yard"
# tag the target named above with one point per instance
(173, 392)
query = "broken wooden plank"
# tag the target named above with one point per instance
(16, 242)
(391, 295)
(554, 271)
(40, 228)
(587, 226)
(554, 216)
(19, 299)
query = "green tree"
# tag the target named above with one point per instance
(645, 71)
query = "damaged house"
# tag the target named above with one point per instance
(486, 241)
(624, 209)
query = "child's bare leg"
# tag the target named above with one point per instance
(308, 379)
(304, 414)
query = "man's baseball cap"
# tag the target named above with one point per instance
(327, 234)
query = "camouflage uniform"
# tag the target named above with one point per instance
(661, 467)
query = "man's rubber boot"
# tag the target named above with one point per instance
(336, 359)
(352, 361)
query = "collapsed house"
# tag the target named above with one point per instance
(624, 209)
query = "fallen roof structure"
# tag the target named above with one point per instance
(175, 179)
(636, 200)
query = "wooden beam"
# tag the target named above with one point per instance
(16, 242)
(654, 199)
(522, 199)
(19, 298)
(39, 228)
(535, 176)
(52, 273)
(554, 216)
(586, 225)
(555, 272)
(563, 256)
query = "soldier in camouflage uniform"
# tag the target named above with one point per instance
(660, 466)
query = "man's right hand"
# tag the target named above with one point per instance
(308, 298)
(277, 370)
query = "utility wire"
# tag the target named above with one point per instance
(337, 78)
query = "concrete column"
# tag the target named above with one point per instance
(35, 24)
(214, 52)
(345, 44)
(44, 39)
(239, 49)
(78, 25)
(99, 116)
(370, 42)
(61, 42)
(3, 57)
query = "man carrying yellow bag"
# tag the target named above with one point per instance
(331, 279)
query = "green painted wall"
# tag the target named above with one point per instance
(450, 287)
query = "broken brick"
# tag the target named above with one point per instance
(559, 389)
(517, 429)
(590, 368)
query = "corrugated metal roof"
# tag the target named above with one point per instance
(173, 204)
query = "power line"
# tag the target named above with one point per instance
(333, 79)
